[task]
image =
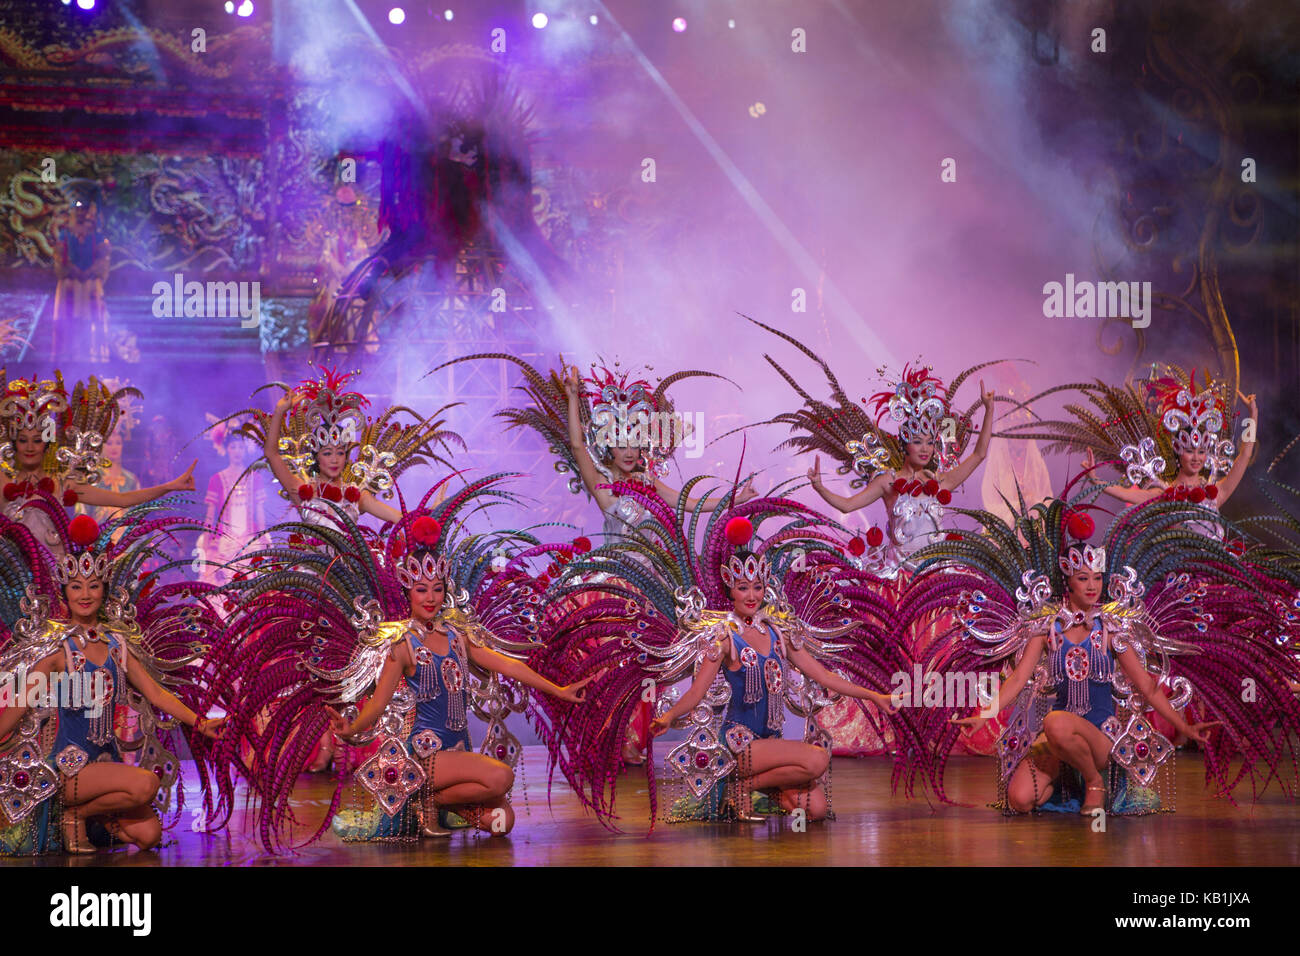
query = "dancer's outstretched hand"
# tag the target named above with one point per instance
(576, 692)
(970, 724)
(210, 728)
(815, 472)
(1197, 731)
(572, 383)
(184, 482)
(885, 702)
(286, 401)
(746, 492)
(337, 724)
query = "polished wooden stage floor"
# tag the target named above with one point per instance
(873, 828)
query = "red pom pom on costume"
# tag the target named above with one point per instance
(553, 569)
(857, 547)
(306, 492)
(425, 531)
(900, 484)
(944, 496)
(582, 545)
(739, 531)
(352, 494)
(875, 537)
(46, 485)
(932, 487)
(953, 536)
(69, 498)
(12, 490)
(1197, 496)
(1211, 491)
(331, 493)
(543, 581)
(398, 547)
(916, 488)
(83, 530)
(1080, 526)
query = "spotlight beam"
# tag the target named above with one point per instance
(390, 64)
(858, 327)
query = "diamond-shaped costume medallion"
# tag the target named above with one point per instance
(391, 775)
(701, 759)
(25, 782)
(1141, 749)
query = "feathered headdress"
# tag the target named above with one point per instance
(1141, 427)
(915, 403)
(842, 428)
(423, 534)
(30, 404)
(86, 557)
(1193, 418)
(626, 412)
(94, 410)
(329, 416)
(752, 568)
(609, 411)
(333, 416)
(1078, 554)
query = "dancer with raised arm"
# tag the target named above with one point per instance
(53, 446)
(1168, 436)
(913, 472)
(309, 437)
(607, 428)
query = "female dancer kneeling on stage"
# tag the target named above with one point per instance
(433, 659)
(1079, 649)
(751, 655)
(96, 651)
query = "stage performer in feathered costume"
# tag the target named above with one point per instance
(609, 427)
(1168, 436)
(309, 437)
(308, 442)
(53, 445)
(1160, 621)
(96, 627)
(423, 623)
(753, 634)
(913, 472)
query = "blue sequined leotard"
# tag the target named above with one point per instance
(438, 686)
(85, 727)
(1082, 673)
(757, 706)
